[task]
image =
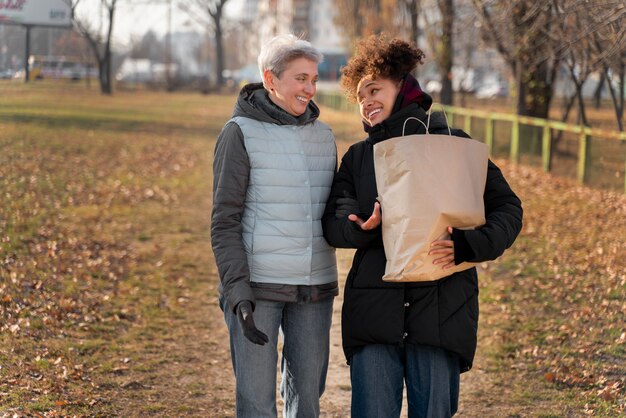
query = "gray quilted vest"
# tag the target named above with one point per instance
(291, 173)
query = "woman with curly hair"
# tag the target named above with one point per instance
(419, 333)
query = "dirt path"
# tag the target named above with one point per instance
(187, 371)
(485, 390)
(481, 396)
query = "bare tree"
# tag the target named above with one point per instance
(609, 43)
(412, 8)
(439, 29)
(466, 44)
(445, 50)
(210, 13)
(517, 29)
(99, 40)
(361, 18)
(590, 38)
(577, 54)
(618, 66)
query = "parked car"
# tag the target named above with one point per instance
(491, 90)
(248, 74)
(6, 74)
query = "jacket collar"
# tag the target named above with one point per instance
(254, 103)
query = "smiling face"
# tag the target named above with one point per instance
(376, 98)
(295, 87)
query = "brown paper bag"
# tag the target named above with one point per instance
(425, 184)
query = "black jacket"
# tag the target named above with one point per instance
(442, 313)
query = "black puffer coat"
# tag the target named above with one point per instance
(442, 313)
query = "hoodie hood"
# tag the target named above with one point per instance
(254, 103)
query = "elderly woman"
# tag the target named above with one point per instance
(422, 333)
(273, 169)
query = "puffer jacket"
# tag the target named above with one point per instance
(442, 313)
(272, 176)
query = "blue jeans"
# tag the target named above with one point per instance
(305, 330)
(378, 373)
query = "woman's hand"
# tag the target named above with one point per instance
(445, 248)
(246, 321)
(373, 220)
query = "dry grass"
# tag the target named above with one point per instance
(108, 287)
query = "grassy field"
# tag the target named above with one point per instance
(108, 289)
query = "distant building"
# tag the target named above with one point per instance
(312, 20)
(187, 50)
(143, 70)
(135, 70)
(325, 36)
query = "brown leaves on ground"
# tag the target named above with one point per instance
(563, 289)
(105, 269)
(72, 227)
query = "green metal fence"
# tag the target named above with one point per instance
(610, 154)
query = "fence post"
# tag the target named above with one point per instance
(583, 155)
(546, 148)
(514, 154)
(467, 124)
(489, 134)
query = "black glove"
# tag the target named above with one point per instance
(244, 313)
(346, 205)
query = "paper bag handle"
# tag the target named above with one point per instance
(417, 119)
(430, 111)
(427, 124)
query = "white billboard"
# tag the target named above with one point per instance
(36, 12)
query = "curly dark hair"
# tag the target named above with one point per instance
(378, 57)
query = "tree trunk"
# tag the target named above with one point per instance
(582, 115)
(534, 76)
(106, 86)
(622, 88)
(556, 139)
(413, 10)
(219, 52)
(105, 74)
(578, 84)
(216, 15)
(534, 91)
(567, 108)
(445, 54)
(618, 102)
(597, 94)
(103, 58)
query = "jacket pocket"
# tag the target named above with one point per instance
(458, 295)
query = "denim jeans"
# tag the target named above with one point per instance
(378, 373)
(305, 329)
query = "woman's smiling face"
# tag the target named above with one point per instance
(376, 98)
(296, 86)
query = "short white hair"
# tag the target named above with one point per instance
(276, 54)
